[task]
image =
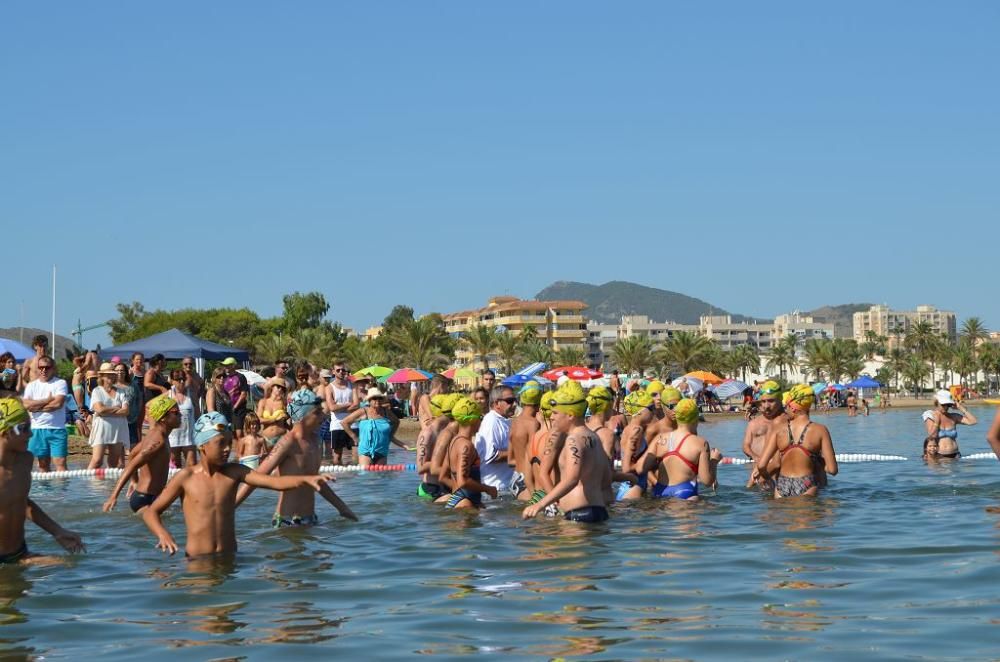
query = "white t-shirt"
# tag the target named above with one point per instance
(39, 390)
(341, 396)
(108, 429)
(493, 438)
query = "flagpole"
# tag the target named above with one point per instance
(53, 312)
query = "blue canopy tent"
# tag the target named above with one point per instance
(863, 382)
(175, 344)
(21, 353)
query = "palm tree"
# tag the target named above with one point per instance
(744, 358)
(421, 343)
(568, 356)
(873, 345)
(363, 353)
(481, 341)
(685, 351)
(313, 346)
(895, 363)
(632, 354)
(815, 360)
(528, 333)
(537, 352)
(271, 348)
(509, 350)
(922, 340)
(964, 361)
(914, 372)
(976, 333)
(782, 356)
(989, 361)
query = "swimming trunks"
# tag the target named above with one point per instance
(685, 490)
(788, 486)
(280, 520)
(517, 484)
(140, 500)
(14, 557)
(587, 514)
(429, 490)
(462, 493)
(252, 461)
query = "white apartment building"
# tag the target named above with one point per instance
(895, 324)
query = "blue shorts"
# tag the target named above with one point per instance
(48, 442)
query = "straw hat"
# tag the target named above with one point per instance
(374, 392)
(106, 369)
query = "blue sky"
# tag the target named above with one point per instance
(761, 156)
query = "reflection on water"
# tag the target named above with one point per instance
(899, 550)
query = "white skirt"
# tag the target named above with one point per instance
(107, 430)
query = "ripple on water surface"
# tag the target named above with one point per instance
(895, 559)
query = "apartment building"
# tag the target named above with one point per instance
(558, 324)
(895, 324)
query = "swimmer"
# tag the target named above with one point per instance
(930, 449)
(208, 492)
(464, 461)
(852, 404)
(150, 460)
(942, 423)
(682, 459)
(584, 470)
(440, 385)
(797, 473)
(440, 465)
(430, 487)
(251, 448)
(15, 483)
(758, 429)
(639, 405)
(600, 401)
(298, 454)
(993, 435)
(522, 430)
(542, 447)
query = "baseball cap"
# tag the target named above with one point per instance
(229, 361)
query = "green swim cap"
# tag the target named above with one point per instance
(670, 395)
(570, 399)
(636, 401)
(466, 411)
(599, 399)
(545, 405)
(686, 411)
(531, 393)
(655, 386)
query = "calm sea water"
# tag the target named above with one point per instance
(896, 560)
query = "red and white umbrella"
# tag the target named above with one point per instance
(575, 372)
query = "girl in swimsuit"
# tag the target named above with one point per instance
(273, 412)
(805, 449)
(681, 458)
(251, 448)
(942, 423)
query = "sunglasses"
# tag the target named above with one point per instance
(340, 370)
(187, 365)
(511, 400)
(45, 367)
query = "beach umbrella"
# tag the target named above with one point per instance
(818, 387)
(406, 375)
(864, 381)
(517, 381)
(694, 385)
(706, 377)
(253, 378)
(574, 372)
(460, 373)
(835, 387)
(20, 352)
(730, 388)
(376, 371)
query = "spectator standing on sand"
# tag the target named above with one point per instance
(45, 400)
(109, 425)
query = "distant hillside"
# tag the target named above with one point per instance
(841, 316)
(607, 303)
(64, 345)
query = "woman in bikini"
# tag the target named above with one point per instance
(681, 458)
(942, 423)
(805, 448)
(273, 412)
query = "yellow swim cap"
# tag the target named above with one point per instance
(545, 405)
(598, 399)
(12, 412)
(531, 393)
(801, 394)
(655, 386)
(466, 411)
(636, 401)
(686, 411)
(770, 387)
(442, 403)
(158, 407)
(670, 395)
(570, 399)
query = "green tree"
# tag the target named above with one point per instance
(314, 346)
(976, 333)
(537, 352)
(269, 349)
(399, 316)
(873, 345)
(509, 351)
(422, 343)
(989, 361)
(914, 373)
(744, 358)
(570, 356)
(632, 355)
(303, 311)
(895, 363)
(782, 357)
(123, 329)
(528, 334)
(685, 351)
(481, 341)
(363, 353)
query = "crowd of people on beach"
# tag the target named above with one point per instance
(560, 450)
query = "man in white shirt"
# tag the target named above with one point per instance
(493, 439)
(45, 400)
(340, 402)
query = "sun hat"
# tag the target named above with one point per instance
(325, 373)
(106, 369)
(944, 397)
(374, 392)
(229, 361)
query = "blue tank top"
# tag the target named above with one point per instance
(374, 435)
